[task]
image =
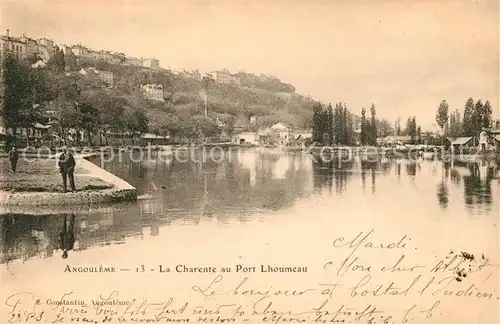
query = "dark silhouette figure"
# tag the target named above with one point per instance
(67, 235)
(67, 168)
(13, 157)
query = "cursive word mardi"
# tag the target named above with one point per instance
(364, 240)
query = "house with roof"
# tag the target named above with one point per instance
(489, 138)
(458, 143)
(264, 135)
(283, 131)
(396, 140)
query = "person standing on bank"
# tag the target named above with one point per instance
(67, 168)
(13, 157)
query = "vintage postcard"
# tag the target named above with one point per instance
(249, 162)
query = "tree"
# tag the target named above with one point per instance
(419, 135)
(317, 123)
(350, 137)
(56, 61)
(345, 126)
(134, 121)
(397, 126)
(477, 118)
(70, 60)
(329, 125)
(442, 116)
(200, 126)
(373, 126)
(455, 128)
(486, 115)
(468, 119)
(337, 124)
(87, 117)
(364, 128)
(384, 128)
(413, 130)
(17, 103)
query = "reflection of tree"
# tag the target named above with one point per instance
(411, 168)
(363, 178)
(372, 166)
(25, 236)
(373, 180)
(341, 174)
(477, 191)
(322, 175)
(447, 169)
(29, 236)
(442, 194)
(455, 176)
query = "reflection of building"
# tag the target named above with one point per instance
(248, 161)
(281, 167)
(152, 213)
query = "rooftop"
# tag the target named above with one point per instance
(459, 140)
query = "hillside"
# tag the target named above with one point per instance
(270, 100)
(97, 97)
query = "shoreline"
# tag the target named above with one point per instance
(121, 191)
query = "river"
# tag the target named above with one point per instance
(249, 186)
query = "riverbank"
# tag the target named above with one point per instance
(38, 183)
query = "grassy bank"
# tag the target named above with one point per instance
(42, 175)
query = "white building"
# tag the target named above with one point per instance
(153, 91)
(246, 138)
(133, 61)
(151, 63)
(283, 132)
(107, 77)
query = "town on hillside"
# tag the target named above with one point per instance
(167, 106)
(84, 97)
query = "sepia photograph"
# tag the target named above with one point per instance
(249, 161)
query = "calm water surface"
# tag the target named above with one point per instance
(228, 196)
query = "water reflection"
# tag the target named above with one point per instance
(247, 186)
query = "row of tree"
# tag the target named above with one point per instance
(341, 127)
(476, 117)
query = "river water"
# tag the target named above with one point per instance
(264, 206)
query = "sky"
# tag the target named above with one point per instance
(405, 56)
